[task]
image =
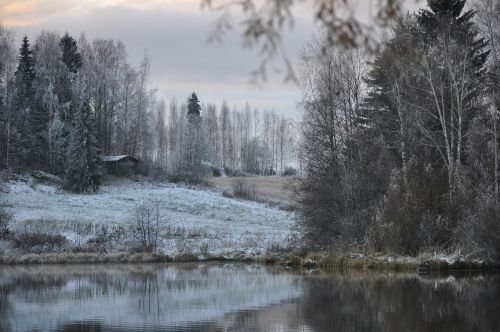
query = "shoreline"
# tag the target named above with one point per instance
(310, 261)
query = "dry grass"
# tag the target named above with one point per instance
(376, 262)
(267, 188)
(83, 258)
(124, 257)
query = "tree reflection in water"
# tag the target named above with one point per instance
(402, 303)
(211, 297)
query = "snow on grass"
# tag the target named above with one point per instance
(217, 224)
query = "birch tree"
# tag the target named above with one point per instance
(7, 69)
(451, 67)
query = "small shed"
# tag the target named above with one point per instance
(123, 165)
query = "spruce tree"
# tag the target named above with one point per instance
(194, 107)
(193, 142)
(21, 135)
(72, 58)
(83, 170)
(70, 54)
(25, 74)
(447, 19)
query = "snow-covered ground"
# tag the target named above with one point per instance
(195, 221)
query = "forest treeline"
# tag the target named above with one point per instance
(401, 153)
(65, 103)
(399, 150)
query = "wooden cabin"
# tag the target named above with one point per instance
(122, 165)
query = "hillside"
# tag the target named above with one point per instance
(195, 221)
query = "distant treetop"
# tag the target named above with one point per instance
(71, 56)
(194, 107)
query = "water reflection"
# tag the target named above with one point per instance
(208, 297)
(403, 303)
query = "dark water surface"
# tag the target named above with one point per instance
(211, 297)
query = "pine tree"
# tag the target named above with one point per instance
(83, 170)
(71, 56)
(193, 141)
(25, 74)
(20, 133)
(446, 18)
(194, 107)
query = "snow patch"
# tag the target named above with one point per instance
(208, 222)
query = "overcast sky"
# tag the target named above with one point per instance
(174, 33)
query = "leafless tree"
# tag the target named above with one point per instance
(328, 121)
(148, 224)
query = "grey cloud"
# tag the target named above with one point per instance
(182, 59)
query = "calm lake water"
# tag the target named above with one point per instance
(214, 297)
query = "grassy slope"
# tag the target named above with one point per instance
(267, 188)
(195, 219)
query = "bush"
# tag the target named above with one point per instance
(227, 193)
(5, 219)
(47, 178)
(36, 242)
(216, 171)
(289, 171)
(5, 216)
(148, 223)
(411, 217)
(228, 171)
(4, 177)
(100, 243)
(242, 189)
(488, 217)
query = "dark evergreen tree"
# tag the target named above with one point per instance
(446, 19)
(83, 169)
(21, 134)
(25, 75)
(193, 142)
(194, 107)
(71, 56)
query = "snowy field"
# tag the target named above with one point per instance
(195, 221)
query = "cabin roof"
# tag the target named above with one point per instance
(118, 158)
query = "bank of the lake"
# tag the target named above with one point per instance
(300, 259)
(386, 262)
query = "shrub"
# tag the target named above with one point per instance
(242, 189)
(227, 193)
(488, 217)
(37, 242)
(148, 223)
(411, 217)
(101, 241)
(289, 171)
(217, 171)
(228, 171)
(5, 219)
